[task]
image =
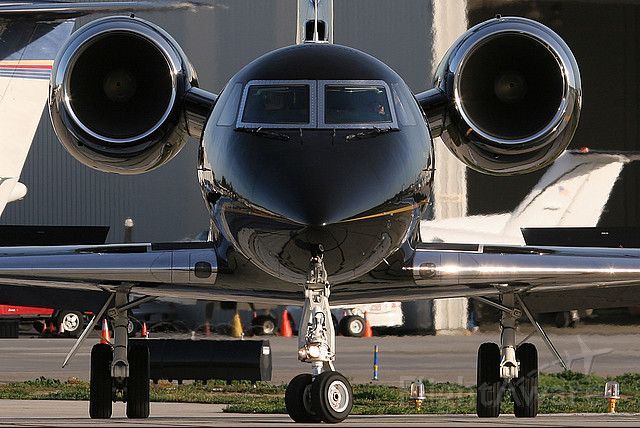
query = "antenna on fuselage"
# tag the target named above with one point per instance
(315, 21)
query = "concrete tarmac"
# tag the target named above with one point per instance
(402, 359)
(74, 413)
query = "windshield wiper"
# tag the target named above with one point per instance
(369, 133)
(274, 135)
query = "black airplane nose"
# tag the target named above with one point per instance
(318, 181)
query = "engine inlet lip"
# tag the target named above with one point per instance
(66, 99)
(563, 66)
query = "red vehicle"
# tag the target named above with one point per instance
(69, 323)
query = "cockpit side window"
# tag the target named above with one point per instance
(230, 111)
(278, 104)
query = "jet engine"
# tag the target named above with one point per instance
(507, 97)
(116, 96)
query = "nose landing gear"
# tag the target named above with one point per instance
(325, 395)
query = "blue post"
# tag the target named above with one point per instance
(375, 362)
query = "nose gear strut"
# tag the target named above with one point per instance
(326, 395)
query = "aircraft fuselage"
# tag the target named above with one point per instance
(316, 144)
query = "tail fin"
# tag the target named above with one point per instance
(315, 21)
(27, 51)
(573, 192)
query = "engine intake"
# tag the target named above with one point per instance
(117, 95)
(512, 97)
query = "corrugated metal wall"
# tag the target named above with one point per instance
(166, 204)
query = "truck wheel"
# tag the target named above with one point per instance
(38, 326)
(72, 322)
(352, 325)
(264, 324)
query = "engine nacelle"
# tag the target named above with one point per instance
(116, 95)
(513, 96)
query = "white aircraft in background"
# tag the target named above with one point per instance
(27, 51)
(573, 192)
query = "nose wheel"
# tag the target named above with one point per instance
(327, 398)
(325, 395)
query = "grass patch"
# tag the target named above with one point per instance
(568, 392)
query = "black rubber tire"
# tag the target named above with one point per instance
(294, 398)
(100, 390)
(264, 325)
(74, 325)
(489, 383)
(524, 389)
(352, 326)
(331, 397)
(138, 382)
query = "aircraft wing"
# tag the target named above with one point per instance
(202, 270)
(50, 11)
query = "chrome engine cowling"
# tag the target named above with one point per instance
(513, 96)
(116, 95)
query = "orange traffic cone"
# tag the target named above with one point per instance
(52, 328)
(368, 332)
(285, 325)
(207, 328)
(105, 336)
(144, 332)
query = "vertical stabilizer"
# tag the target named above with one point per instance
(27, 50)
(315, 21)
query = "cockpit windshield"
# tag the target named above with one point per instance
(277, 104)
(356, 104)
(294, 104)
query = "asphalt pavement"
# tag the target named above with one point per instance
(18, 413)
(604, 350)
(401, 358)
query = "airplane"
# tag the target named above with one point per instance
(316, 162)
(573, 192)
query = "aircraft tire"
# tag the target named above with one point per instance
(138, 382)
(352, 326)
(100, 394)
(525, 386)
(296, 395)
(489, 383)
(331, 397)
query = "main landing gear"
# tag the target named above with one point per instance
(509, 365)
(119, 371)
(325, 395)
